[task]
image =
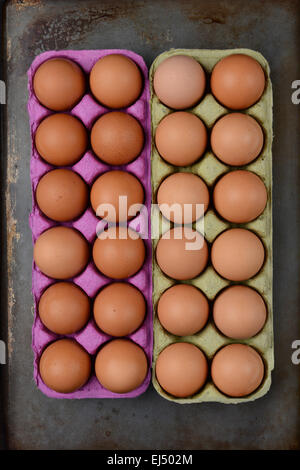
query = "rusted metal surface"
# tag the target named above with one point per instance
(33, 421)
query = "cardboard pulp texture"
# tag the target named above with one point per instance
(209, 168)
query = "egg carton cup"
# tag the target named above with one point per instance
(89, 167)
(209, 168)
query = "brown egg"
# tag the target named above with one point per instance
(183, 198)
(181, 138)
(183, 310)
(237, 254)
(119, 309)
(182, 253)
(61, 252)
(240, 196)
(59, 84)
(117, 138)
(181, 369)
(119, 252)
(61, 139)
(109, 188)
(65, 366)
(62, 195)
(121, 366)
(64, 308)
(116, 81)
(237, 81)
(237, 139)
(239, 312)
(179, 82)
(237, 370)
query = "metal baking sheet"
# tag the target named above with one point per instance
(30, 420)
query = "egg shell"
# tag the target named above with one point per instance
(121, 366)
(181, 138)
(116, 81)
(239, 312)
(118, 252)
(61, 139)
(182, 253)
(65, 366)
(117, 138)
(59, 84)
(237, 254)
(88, 110)
(108, 188)
(181, 369)
(179, 82)
(61, 252)
(237, 139)
(119, 309)
(240, 196)
(183, 310)
(62, 195)
(238, 81)
(64, 308)
(210, 169)
(187, 193)
(237, 370)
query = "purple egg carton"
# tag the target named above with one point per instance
(88, 110)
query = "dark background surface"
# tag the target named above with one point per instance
(33, 421)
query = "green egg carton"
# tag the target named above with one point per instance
(209, 168)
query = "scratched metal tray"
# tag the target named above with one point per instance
(30, 420)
